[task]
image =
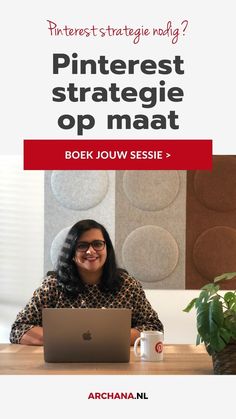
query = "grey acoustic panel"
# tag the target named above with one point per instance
(92, 195)
(71, 188)
(165, 193)
(57, 244)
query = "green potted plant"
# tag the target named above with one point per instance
(216, 323)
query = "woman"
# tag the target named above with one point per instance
(86, 277)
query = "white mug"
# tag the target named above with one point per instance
(151, 345)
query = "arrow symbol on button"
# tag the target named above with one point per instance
(168, 155)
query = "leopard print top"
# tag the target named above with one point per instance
(131, 295)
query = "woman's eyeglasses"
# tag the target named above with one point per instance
(97, 245)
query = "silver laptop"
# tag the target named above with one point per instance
(86, 334)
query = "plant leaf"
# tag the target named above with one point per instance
(190, 305)
(216, 320)
(210, 321)
(234, 335)
(219, 335)
(230, 299)
(226, 276)
(229, 296)
(203, 297)
(209, 348)
(198, 340)
(216, 315)
(211, 288)
(225, 335)
(220, 340)
(203, 321)
(230, 323)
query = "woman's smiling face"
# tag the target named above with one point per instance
(90, 261)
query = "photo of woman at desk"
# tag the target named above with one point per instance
(86, 276)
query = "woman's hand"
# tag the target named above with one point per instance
(134, 334)
(34, 336)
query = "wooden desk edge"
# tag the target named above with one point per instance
(180, 359)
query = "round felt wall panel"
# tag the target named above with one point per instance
(79, 190)
(151, 190)
(216, 189)
(57, 244)
(150, 253)
(214, 252)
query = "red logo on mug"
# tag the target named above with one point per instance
(159, 347)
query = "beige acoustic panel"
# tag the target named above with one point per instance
(71, 196)
(139, 246)
(211, 223)
(151, 191)
(150, 226)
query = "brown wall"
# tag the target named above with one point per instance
(211, 223)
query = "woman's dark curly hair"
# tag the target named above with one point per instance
(67, 273)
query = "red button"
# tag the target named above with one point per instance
(117, 154)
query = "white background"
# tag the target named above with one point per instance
(207, 112)
(207, 49)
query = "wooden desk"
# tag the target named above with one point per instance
(178, 359)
